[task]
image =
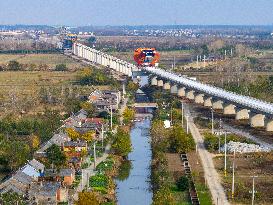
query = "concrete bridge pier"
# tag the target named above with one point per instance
(167, 86)
(199, 98)
(207, 101)
(160, 83)
(174, 89)
(153, 81)
(181, 92)
(257, 120)
(242, 114)
(190, 94)
(217, 105)
(269, 124)
(229, 109)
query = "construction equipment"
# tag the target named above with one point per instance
(146, 57)
(68, 41)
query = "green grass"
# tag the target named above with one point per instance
(181, 198)
(203, 194)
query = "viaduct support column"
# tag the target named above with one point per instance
(160, 83)
(167, 86)
(217, 105)
(229, 109)
(257, 120)
(174, 89)
(269, 125)
(242, 114)
(153, 81)
(199, 99)
(207, 101)
(190, 94)
(181, 92)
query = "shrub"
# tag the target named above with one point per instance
(183, 183)
(61, 67)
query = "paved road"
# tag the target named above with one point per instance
(89, 171)
(211, 175)
(247, 135)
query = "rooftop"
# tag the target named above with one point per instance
(75, 144)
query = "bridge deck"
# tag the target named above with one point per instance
(214, 91)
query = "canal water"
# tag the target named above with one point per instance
(133, 187)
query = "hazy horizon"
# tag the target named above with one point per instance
(135, 13)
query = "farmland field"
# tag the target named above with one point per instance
(40, 59)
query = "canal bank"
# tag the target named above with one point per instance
(134, 186)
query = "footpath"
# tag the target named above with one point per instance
(90, 171)
(211, 175)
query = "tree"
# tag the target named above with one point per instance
(10, 198)
(61, 67)
(89, 136)
(35, 142)
(163, 196)
(56, 156)
(91, 39)
(122, 143)
(132, 87)
(89, 108)
(124, 170)
(72, 105)
(205, 50)
(183, 183)
(15, 152)
(181, 141)
(14, 66)
(87, 198)
(160, 136)
(128, 115)
(74, 135)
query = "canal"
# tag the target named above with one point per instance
(133, 184)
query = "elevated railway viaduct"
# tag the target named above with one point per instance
(259, 113)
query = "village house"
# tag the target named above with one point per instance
(47, 193)
(92, 124)
(74, 146)
(105, 99)
(66, 176)
(23, 178)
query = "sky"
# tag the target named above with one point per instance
(137, 12)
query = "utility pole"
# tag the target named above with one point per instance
(171, 114)
(174, 62)
(102, 136)
(219, 138)
(233, 175)
(87, 176)
(187, 119)
(197, 58)
(123, 90)
(225, 169)
(111, 111)
(94, 152)
(204, 61)
(212, 122)
(253, 190)
(182, 113)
